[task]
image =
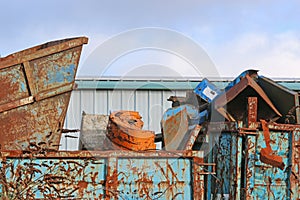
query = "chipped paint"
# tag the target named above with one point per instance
(102, 175)
(38, 84)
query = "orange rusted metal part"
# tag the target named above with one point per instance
(38, 82)
(125, 130)
(266, 154)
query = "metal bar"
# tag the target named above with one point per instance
(252, 110)
(30, 80)
(37, 52)
(249, 166)
(17, 103)
(54, 91)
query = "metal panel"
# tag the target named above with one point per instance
(87, 101)
(155, 110)
(114, 100)
(295, 168)
(142, 105)
(74, 111)
(102, 175)
(279, 94)
(101, 104)
(266, 181)
(128, 99)
(43, 77)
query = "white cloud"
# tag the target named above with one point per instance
(274, 55)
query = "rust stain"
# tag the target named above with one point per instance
(38, 84)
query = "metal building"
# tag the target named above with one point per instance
(147, 96)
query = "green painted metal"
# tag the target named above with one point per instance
(159, 84)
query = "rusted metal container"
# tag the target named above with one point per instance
(102, 175)
(257, 160)
(36, 87)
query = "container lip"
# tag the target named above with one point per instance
(41, 51)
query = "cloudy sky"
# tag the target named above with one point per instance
(231, 35)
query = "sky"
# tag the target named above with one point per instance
(163, 38)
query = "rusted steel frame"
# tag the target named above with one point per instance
(220, 126)
(248, 131)
(102, 154)
(252, 110)
(284, 127)
(233, 92)
(54, 91)
(238, 167)
(233, 189)
(37, 52)
(272, 126)
(40, 96)
(17, 103)
(297, 102)
(294, 176)
(198, 183)
(111, 184)
(249, 166)
(28, 72)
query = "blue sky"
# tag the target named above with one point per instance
(236, 35)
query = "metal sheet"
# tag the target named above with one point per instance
(38, 81)
(235, 100)
(102, 175)
(279, 94)
(174, 125)
(207, 90)
(93, 132)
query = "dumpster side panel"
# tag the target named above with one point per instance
(265, 181)
(31, 127)
(102, 175)
(295, 167)
(145, 178)
(13, 84)
(53, 178)
(55, 70)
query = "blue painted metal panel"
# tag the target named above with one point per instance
(102, 175)
(207, 90)
(53, 178)
(155, 178)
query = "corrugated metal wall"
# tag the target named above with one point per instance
(149, 103)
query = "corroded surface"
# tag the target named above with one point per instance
(102, 175)
(125, 130)
(37, 83)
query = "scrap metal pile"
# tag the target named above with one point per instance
(249, 131)
(238, 142)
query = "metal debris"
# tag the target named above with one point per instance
(125, 130)
(38, 84)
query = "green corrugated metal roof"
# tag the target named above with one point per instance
(159, 84)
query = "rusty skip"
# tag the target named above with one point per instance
(102, 175)
(38, 82)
